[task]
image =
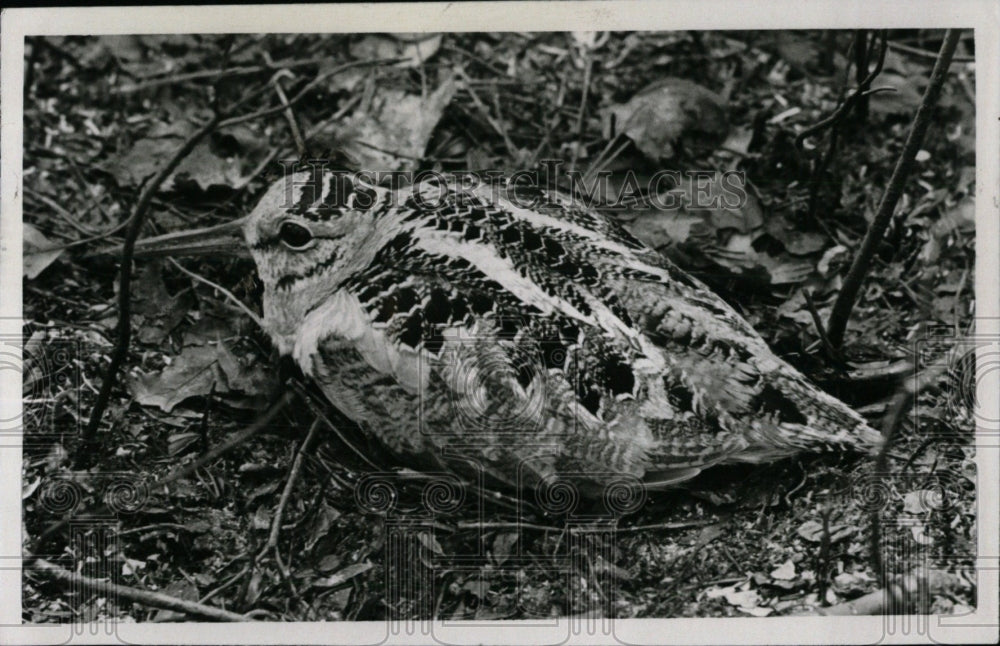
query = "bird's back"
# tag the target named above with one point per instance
(542, 338)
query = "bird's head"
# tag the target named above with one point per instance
(313, 227)
(311, 231)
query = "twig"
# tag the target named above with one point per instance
(66, 215)
(225, 584)
(890, 427)
(211, 74)
(857, 102)
(823, 558)
(307, 399)
(239, 438)
(499, 128)
(849, 102)
(837, 323)
(309, 135)
(293, 124)
(473, 524)
(653, 526)
(578, 131)
(182, 472)
(293, 476)
(811, 306)
(225, 292)
(272, 540)
(123, 330)
(302, 93)
(61, 211)
(145, 597)
(553, 122)
(923, 53)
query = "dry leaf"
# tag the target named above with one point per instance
(812, 531)
(392, 132)
(921, 501)
(37, 252)
(343, 575)
(502, 545)
(665, 113)
(784, 572)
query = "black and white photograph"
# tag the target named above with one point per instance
(500, 322)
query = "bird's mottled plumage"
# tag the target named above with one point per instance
(457, 325)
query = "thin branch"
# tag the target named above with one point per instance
(145, 597)
(182, 472)
(588, 66)
(497, 126)
(293, 476)
(302, 93)
(293, 124)
(318, 412)
(890, 428)
(225, 292)
(837, 324)
(213, 74)
(843, 109)
(123, 330)
(923, 53)
(824, 339)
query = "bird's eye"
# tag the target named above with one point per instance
(295, 235)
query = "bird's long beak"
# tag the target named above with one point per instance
(226, 240)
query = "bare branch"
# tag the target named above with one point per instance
(837, 323)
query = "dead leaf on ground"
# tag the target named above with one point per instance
(158, 311)
(812, 531)
(225, 159)
(960, 218)
(668, 113)
(851, 584)
(907, 92)
(181, 589)
(195, 372)
(745, 600)
(343, 576)
(922, 501)
(784, 572)
(392, 132)
(416, 48)
(38, 254)
(192, 373)
(796, 241)
(502, 546)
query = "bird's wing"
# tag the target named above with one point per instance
(750, 405)
(649, 369)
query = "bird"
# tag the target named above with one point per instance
(516, 332)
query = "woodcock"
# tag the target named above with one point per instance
(466, 330)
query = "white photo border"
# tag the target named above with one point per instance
(644, 15)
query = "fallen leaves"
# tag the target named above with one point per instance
(226, 159)
(38, 252)
(415, 49)
(343, 576)
(784, 572)
(741, 596)
(812, 531)
(662, 116)
(391, 132)
(195, 372)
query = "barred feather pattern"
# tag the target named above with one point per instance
(460, 327)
